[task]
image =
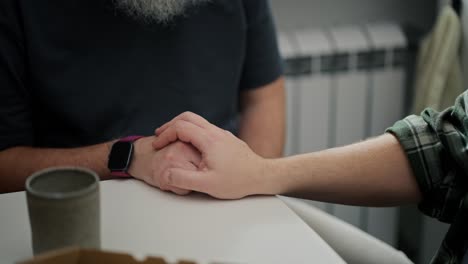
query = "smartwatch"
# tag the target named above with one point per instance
(120, 156)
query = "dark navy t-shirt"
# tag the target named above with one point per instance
(81, 72)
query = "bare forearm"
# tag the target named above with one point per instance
(17, 163)
(372, 173)
(263, 120)
(265, 137)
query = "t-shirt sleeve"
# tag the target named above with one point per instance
(262, 63)
(15, 109)
(435, 144)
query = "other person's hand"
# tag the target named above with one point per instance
(229, 169)
(148, 164)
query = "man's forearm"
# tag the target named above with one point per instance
(263, 119)
(264, 135)
(17, 163)
(375, 172)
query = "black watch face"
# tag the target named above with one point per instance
(119, 158)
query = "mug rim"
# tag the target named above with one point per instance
(61, 195)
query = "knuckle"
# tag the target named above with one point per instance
(187, 114)
(179, 125)
(177, 146)
(163, 185)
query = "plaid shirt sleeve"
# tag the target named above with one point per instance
(436, 146)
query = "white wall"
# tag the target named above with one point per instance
(292, 14)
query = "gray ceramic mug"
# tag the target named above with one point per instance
(63, 206)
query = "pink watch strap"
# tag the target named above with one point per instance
(130, 138)
(124, 174)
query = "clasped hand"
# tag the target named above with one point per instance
(228, 168)
(149, 164)
(191, 154)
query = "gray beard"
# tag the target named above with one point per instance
(161, 11)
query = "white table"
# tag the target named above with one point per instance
(143, 221)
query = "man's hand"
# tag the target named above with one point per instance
(148, 165)
(229, 168)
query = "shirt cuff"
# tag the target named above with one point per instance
(425, 154)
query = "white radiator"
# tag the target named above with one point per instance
(344, 84)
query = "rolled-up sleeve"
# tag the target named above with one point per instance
(15, 108)
(436, 147)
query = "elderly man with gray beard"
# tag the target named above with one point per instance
(83, 81)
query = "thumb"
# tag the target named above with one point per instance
(187, 179)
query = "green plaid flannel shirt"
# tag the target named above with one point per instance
(437, 149)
